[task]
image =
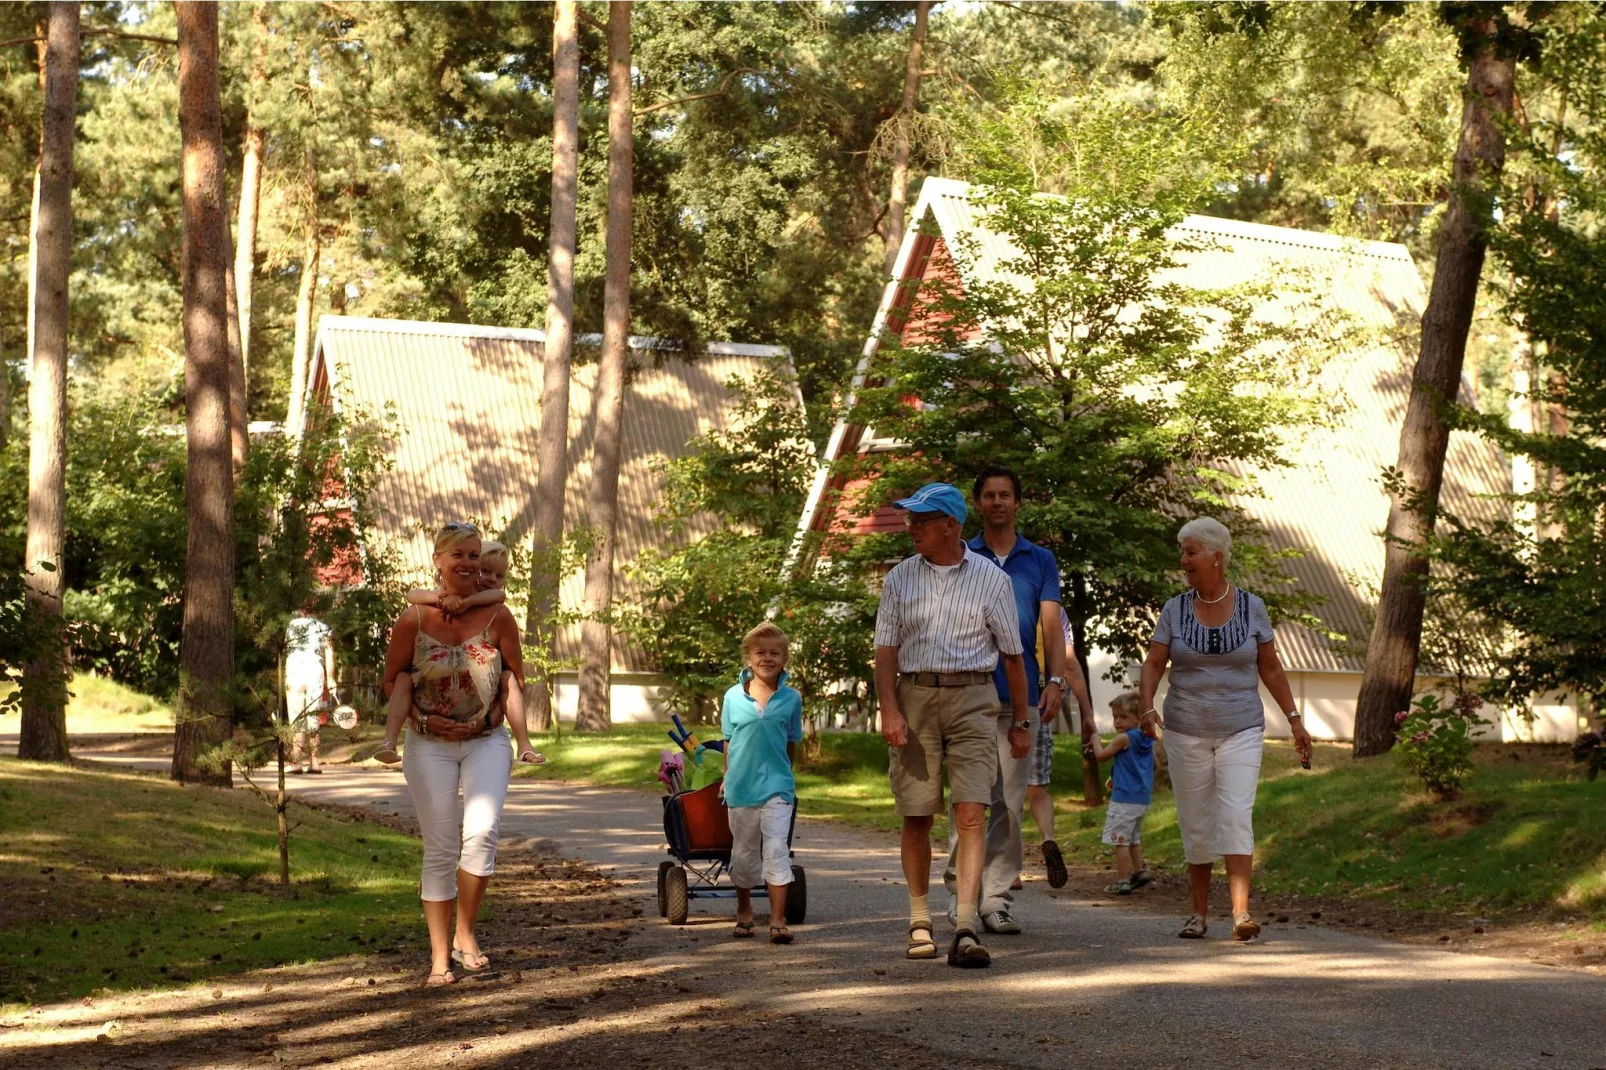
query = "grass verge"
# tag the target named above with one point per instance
(100, 706)
(115, 880)
(1526, 835)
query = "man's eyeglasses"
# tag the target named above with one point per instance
(920, 520)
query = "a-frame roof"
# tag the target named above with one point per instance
(467, 414)
(1329, 502)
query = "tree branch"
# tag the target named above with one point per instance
(590, 20)
(1033, 12)
(123, 34)
(725, 83)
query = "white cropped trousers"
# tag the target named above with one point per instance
(1214, 780)
(457, 837)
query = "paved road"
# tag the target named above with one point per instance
(1087, 986)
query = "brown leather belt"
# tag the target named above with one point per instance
(947, 679)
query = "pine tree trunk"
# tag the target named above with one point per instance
(245, 254)
(44, 692)
(206, 654)
(239, 426)
(1391, 656)
(596, 644)
(553, 448)
(900, 150)
(306, 299)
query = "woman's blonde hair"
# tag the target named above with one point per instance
(767, 630)
(455, 534)
(494, 553)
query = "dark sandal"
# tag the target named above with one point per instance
(971, 956)
(1054, 862)
(743, 931)
(924, 948)
(780, 934)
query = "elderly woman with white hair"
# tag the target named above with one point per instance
(1218, 641)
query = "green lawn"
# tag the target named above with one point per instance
(100, 706)
(1528, 833)
(122, 880)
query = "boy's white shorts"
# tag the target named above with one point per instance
(760, 853)
(1123, 825)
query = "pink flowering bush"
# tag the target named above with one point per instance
(1435, 740)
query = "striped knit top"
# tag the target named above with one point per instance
(1215, 674)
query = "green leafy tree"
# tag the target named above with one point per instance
(1542, 569)
(1123, 400)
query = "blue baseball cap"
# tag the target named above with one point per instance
(936, 498)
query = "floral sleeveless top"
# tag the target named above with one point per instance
(459, 682)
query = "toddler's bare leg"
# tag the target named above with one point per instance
(401, 700)
(513, 703)
(1123, 863)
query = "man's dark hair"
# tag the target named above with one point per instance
(995, 472)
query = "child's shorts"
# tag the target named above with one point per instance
(760, 851)
(1123, 825)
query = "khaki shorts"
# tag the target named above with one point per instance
(956, 723)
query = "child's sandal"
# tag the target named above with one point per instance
(532, 757)
(1119, 888)
(389, 755)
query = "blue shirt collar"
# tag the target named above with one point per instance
(747, 674)
(1022, 545)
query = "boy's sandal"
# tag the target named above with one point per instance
(922, 946)
(1194, 929)
(387, 754)
(967, 952)
(1139, 879)
(780, 934)
(1245, 928)
(445, 977)
(473, 962)
(532, 757)
(743, 931)
(1120, 888)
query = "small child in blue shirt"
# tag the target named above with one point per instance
(762, 722)
(1132, 784)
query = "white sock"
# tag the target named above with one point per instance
(969, 917)
(919, 911)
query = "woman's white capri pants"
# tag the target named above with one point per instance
(456, 838)
(1214, 780)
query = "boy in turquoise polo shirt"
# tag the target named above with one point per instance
(762, 722)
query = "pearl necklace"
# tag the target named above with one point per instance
(1211, 601)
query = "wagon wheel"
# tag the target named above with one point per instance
(663, 902)
(677, 900)
(797, 897)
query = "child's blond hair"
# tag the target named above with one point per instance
(767, 630)
(494, 553)
(1126, 702)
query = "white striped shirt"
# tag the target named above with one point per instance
(948, 620)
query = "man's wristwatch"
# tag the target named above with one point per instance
(1021, 726)
(1057, 681)
(1293, 715)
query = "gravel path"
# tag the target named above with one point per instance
(1089, 984)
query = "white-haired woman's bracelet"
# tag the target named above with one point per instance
(1293, 715)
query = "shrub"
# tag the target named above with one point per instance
(1591, 750)
(1436, 740)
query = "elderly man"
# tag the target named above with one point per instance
(1034, 578)
(947, 616)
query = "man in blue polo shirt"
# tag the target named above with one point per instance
(1034, 574)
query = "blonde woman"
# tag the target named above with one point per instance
(455, 665)
(1218, 642)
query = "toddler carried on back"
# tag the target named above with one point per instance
(494, 559)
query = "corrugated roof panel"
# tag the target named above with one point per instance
(467, 408)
